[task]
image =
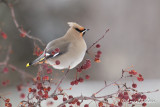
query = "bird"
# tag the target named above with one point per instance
(65, 52)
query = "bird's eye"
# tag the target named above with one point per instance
(79, 30)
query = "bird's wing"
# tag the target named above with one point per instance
(53, 46)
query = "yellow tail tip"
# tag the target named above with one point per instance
(27, 65)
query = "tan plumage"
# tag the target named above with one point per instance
(72, 48)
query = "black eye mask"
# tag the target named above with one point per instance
(80, 31)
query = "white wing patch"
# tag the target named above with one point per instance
(55, 54)
(47, 54)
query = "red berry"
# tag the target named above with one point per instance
(134, 85)
(38, 78)
(134, 72)
(120, 95)
(7, 100)
(112, 105)
(57, 50)
(87, 76)
(79, 70)
(72, 83)
(80, 79)
(76, 82)
(46, 77)
(88, 65)
(39, 85)
(70, 96)
(55, 98)
(88, 61)
(97, 56)
(137, 96)
(140, 75)
(86, 105)
(5, 70)
(4, 83)
(99, 52)
(125, 93)
(49, 88)
(140, 78)
(9, 105)
(144, 104)
(4, 35)
(143, 97)
(34, 90)
(64, 99)
(29, 89)
(57, 62)
(78, 103)
(100, 104)
(120, 104)
(45, 95)
(49, 70)
(40, 93)
(97, 60)
(22, 95)
(19, 87)
(53, 53)
(130, 72)
(98, 46)
(126, 97)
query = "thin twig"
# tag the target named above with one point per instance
(19, 28)
(5, 63)
(97, 40)
(82, 98)
(106, 86)
(60, 82)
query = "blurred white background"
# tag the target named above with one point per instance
(133, 38)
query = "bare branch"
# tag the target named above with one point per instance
(19, 28)
(98, 40)
(60, 82)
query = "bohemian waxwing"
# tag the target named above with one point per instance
(65, 52)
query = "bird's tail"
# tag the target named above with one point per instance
(39, 59)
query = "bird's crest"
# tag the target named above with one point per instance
(75, 25)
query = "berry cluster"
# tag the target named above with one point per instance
(7, 103)
(37, 51)
(57, 50)
(40, 91)
(98, 54)
(75, 82)
(134, 73)
(85, 66)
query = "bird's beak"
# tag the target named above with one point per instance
(84, 31)
(87, 29)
